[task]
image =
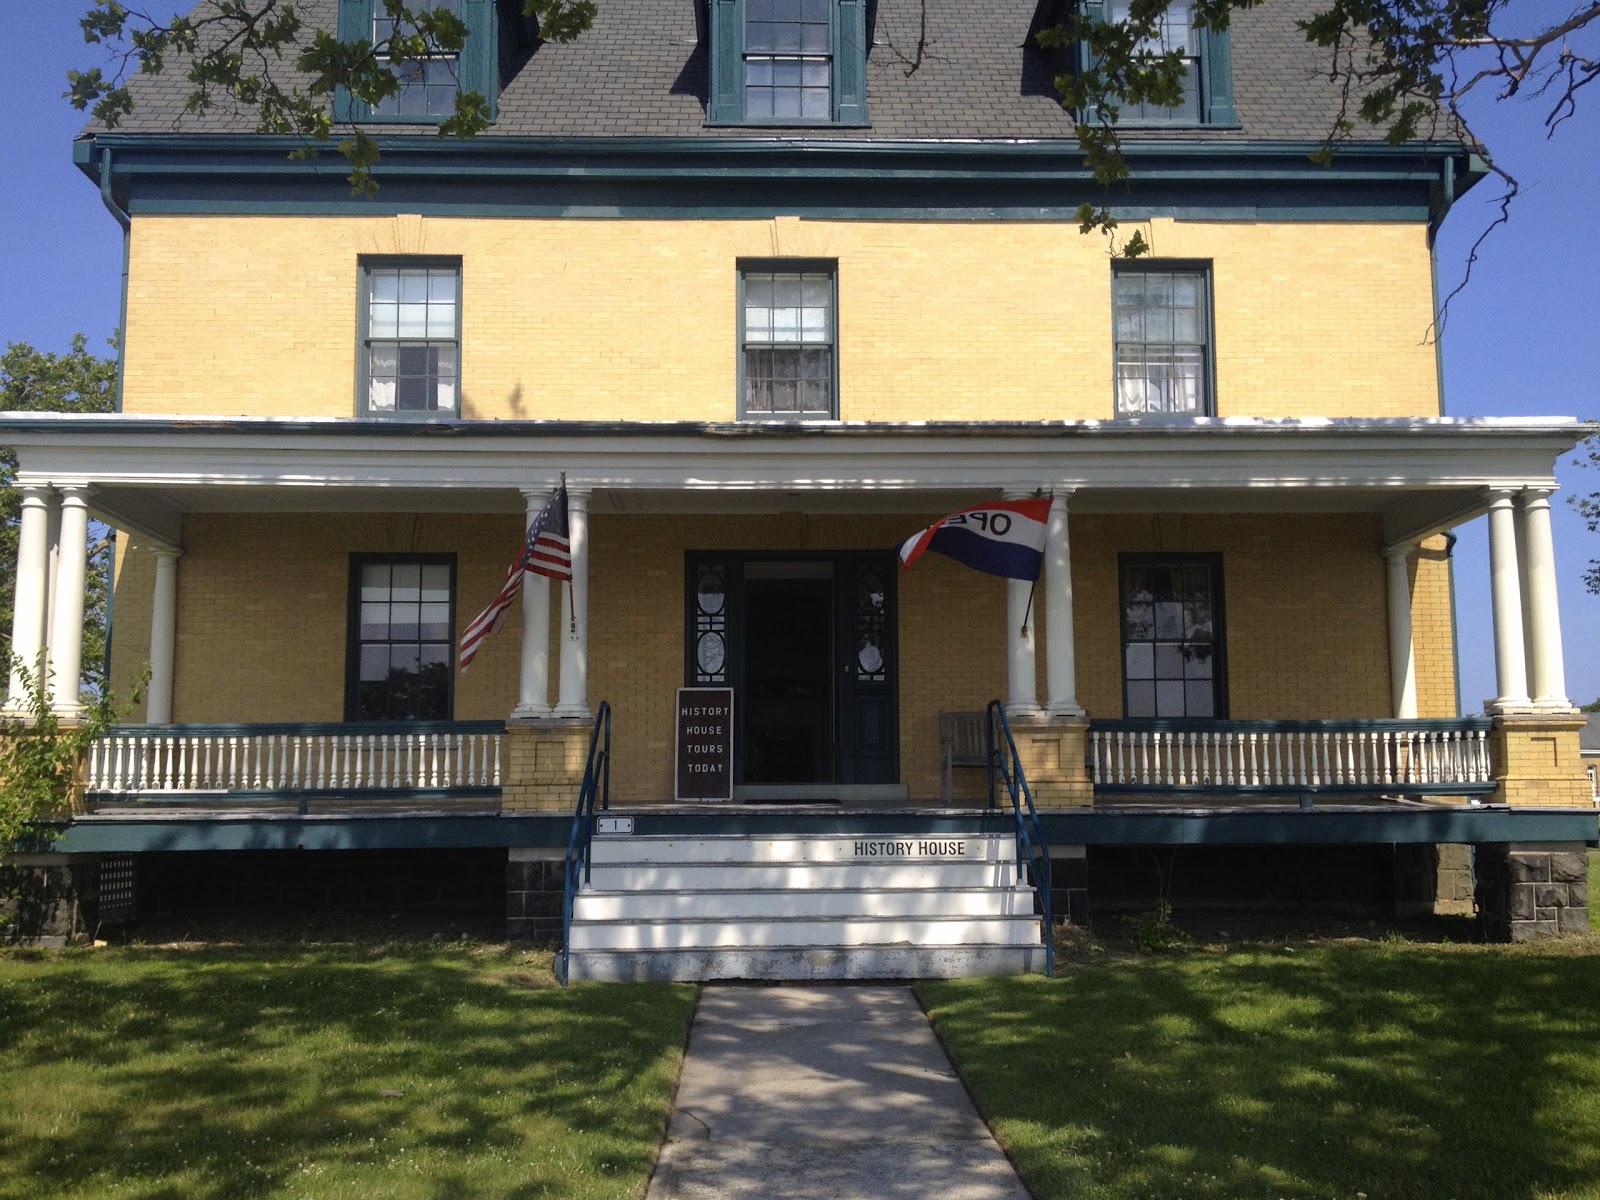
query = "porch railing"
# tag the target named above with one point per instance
(1418, 757)
(224, 762)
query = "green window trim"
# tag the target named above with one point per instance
(1215, 76)
(847, 52)
(431, 339)
(477, 66)
(385, 619)
(1202, 340)
(1172, 642)
(756, 268)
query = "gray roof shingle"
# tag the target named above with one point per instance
(641, 72)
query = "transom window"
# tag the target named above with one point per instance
(401, 638)
(1171, 636)
(787, 336)
(788, 64)
(428, 85)
(1163, 336)
(411, 342)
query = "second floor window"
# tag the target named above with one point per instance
(787, 341)
(1162, 324)
(411, 314)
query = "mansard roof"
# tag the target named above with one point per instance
(641, 71)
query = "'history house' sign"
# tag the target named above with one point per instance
(704, 744)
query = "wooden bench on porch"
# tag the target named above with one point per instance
(963, 742)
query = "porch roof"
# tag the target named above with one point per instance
(144, 472)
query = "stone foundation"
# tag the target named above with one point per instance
(1529, 891)
(48, 899)
(534, 882)
(1069, 884)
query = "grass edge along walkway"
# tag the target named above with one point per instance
(1308, 1069)
(396, 1071)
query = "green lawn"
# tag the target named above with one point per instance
(1308, 1069)
(366, 1072)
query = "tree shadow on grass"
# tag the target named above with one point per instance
(1313, 1070)
(325, 1073)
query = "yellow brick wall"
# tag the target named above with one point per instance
(630, 319)
(262, 613)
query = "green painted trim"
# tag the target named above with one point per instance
(1087, 827)
(1320, 827)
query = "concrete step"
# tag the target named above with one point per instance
(807, 848)
(730, 903)
(817, 932)
(680, 876)
(807, 962)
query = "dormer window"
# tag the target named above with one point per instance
(428, 85)
(1207, 57)
(788, 62)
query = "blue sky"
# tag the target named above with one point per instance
(1523, 339)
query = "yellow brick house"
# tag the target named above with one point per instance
(770, 293)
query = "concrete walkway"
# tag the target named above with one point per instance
(839, 1092)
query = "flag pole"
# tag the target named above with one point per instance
(572, 600)
(1032, 587)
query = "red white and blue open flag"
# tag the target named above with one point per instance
(1002, 537)
(545, 550)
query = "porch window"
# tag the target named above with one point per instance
(402, 634)
(787, 337)
(411, 338)
(1162, 316)
(1172, 653)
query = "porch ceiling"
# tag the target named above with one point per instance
(1422, 475)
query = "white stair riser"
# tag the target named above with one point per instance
(686, 876)
(1001, 931)
(813, 963)
(737, 905)
(894, 848)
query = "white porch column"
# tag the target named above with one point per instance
(28, 615)
(1505, 590)
(1546, 671)
(66, 648)
(1061, 660)
(1022, 688)
(572, 689)
(163, 636)
(533, 692)
(1402, 651)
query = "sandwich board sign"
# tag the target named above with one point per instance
(703, 744)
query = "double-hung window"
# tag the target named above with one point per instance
(402, 623)
(1206, 56)
(1172, 661)
(428, 84)
(787, 335)
(788, 62)
(410, 338)
(1161, 315)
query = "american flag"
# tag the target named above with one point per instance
(544, 551)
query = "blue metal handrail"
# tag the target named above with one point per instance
(595, 790)
(1006, 767)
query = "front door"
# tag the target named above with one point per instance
(807, 642)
